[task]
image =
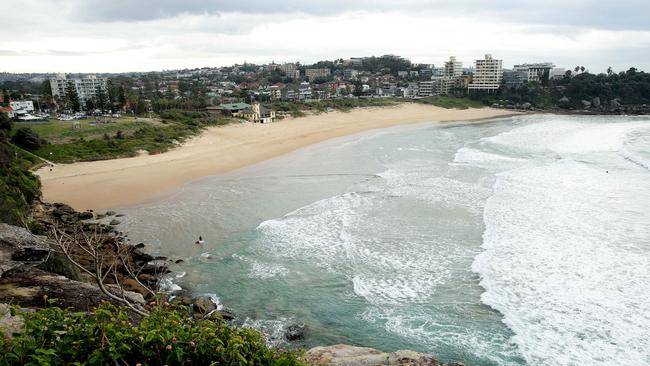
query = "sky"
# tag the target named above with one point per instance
(153, 35)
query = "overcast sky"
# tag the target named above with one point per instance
(148, 35)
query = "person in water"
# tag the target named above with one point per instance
(200, 241)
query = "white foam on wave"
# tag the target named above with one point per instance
(637, 147)
(566, 262)
(437, 332)
(263, 270)
(570, 137)
(273, 330)
(442, 191)
(387, 262)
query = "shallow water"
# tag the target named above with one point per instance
(520, 241)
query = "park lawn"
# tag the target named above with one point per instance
(62, 132)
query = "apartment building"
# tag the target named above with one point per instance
(86, 86)
(487, 75)
(535, 72)
(350, 74)
(291, 70)
(453, 68)
(317, 73)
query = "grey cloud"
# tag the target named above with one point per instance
(623, 14)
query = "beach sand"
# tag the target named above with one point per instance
(111, 183)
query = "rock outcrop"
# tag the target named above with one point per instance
(20, 248)
(10, 324)
(345, 355)
(32, 288)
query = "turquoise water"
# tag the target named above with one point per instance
(519, 241)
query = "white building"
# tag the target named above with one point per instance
(453, 68)
(487, 75)
(535, 72)
(350, 74)
(291, 70)
(86, 87)
(425, 88)
(317, 73)
(22, 105)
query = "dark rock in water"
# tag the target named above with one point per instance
(203, 305)
(294, 332)
(227, 314)
(61, 209)
(179, 261)
(119, 215)
(140, 256)
(86, 215)
(110, 213)
(160, 258)
(20, 248)
(139, 246)
(115, 222)
(154, 269)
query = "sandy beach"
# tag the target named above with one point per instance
(110, 183)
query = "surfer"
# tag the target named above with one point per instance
(200, 241)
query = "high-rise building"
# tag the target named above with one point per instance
(535, 72)
(453, 67)
(487, 75)
(86, 86)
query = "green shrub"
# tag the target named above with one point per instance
(26, 138)
(168, 336)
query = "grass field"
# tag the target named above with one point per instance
(119, 137)
(61, 132)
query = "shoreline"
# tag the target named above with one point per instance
(118, 182)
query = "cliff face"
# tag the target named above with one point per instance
(345, 355)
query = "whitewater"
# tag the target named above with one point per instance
(520, 241)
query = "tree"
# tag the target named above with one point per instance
(577, 69)
(5, 122)
(121, 97)
(609, 71)
(358, 88)
(102, 98)
(72, 98)
(26, 138)
(91, 104)
(582, 69)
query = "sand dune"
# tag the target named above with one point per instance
(110, 183)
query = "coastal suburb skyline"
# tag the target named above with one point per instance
(123, 36)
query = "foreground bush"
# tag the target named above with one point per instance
(168, 336)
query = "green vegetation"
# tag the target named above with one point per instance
(451, 102)
(123, 137)
(168, 336)
(18, 186)
(631, 87)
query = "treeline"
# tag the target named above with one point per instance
(627, 88)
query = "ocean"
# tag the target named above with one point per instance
(518, 241)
